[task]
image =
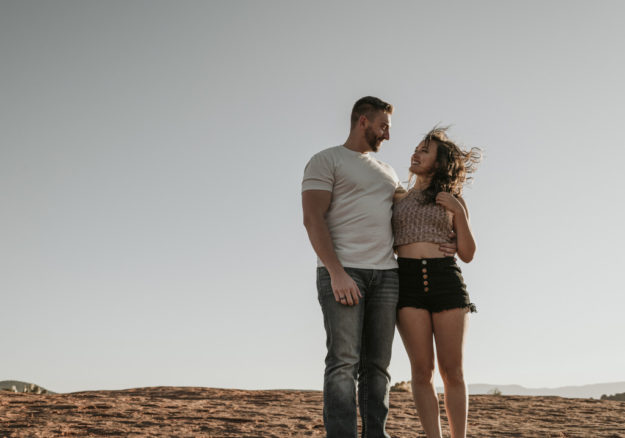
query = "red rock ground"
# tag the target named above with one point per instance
(209, 412)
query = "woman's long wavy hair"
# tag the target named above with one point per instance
(453, 165)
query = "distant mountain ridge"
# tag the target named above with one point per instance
(584, 391)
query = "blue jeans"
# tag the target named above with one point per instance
(359, 340)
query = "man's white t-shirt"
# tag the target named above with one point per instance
(359, 217)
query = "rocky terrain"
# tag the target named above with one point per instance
(217, 413)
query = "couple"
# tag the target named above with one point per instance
(357, 215)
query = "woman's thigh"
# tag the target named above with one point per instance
(450, 327)
(415, 327)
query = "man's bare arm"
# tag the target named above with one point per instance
(315, 204)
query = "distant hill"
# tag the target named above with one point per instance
(584, 391)
(617, 397)
(17, 386)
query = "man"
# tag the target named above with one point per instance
(347, 200)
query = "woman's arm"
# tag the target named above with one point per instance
(465, 239)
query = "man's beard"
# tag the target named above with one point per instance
(372, 140)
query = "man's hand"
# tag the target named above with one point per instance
(345, 289)
(449, 249)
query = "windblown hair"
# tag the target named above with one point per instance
(367, 106)
(453, 164)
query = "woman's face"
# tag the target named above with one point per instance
(423, 160)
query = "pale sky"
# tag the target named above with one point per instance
(151, 155)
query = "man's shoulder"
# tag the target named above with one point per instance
(383, 163)
(332, 151)
(327, 156)
(387, 167)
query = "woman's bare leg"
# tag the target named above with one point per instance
(415, 328)
(449, 330)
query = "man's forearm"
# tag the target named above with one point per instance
(321, 241)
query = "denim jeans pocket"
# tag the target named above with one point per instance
(324, 283)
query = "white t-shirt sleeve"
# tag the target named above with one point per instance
(319, 173)
(397, 181)
(393, 174)
(399, 187)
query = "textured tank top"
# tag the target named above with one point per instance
(415, 221)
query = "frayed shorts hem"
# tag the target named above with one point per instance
(470, 307)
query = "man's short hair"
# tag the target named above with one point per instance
(368, 106)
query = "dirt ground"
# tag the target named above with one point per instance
(216, 413)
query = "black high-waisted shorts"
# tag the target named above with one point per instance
(432, 284)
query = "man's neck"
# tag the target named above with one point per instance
(357, 144)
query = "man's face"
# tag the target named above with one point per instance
(378, 130)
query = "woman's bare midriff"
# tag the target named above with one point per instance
(420, 250)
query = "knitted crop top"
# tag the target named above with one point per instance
(416, 221)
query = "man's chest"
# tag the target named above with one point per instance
(364, 176)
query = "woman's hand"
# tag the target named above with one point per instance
(400, 192)
(450, 202)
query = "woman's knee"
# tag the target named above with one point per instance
(422, 374)
(452, 374)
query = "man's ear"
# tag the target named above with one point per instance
(363, 121)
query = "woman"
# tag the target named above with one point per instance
(433, 301)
